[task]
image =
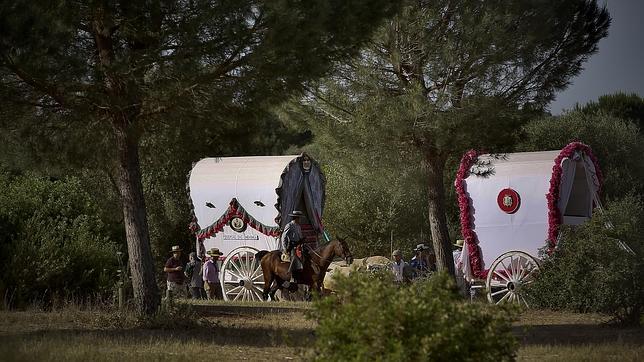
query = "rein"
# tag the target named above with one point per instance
(315, 252)
(322, 259)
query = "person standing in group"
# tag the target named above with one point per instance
(398, 266)
(174, 268)
(211, 275)
(194, 274)
(457, 254)
(420, 261)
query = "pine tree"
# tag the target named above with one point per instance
(101, 74)
(445, 76)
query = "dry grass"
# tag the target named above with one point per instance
(280, 304)
(78, 335)
(562, 336)
(259, 331)
(586, 352)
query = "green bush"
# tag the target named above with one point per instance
(54, 245)
(590, 272)
(370, 319)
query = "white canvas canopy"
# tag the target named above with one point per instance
(251, 181)
(529, 174)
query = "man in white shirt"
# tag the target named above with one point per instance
(398, 266)
(211, 275)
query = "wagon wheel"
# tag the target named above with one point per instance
(508, 277)
(241, 275)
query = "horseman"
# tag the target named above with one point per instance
(292, 237)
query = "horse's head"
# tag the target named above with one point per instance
(342, 251)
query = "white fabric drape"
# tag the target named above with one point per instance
(466, 269)
(568, 167)
(593, 182)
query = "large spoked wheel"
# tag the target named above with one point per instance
(509, 276)
(241, 275)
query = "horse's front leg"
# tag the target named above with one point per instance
(268, 280)
(315, 289)
(276, 286)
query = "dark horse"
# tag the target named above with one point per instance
(315, 264)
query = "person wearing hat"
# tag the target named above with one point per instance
(291, 237)
(420, 261)
(398, 266)
(174, 268)
(211, 275)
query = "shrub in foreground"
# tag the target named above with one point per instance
(590, 272)
(371, 319)
(53, 243)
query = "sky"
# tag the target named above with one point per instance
(619, 63)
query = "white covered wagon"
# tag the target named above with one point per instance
(240, 205)
(512, 205)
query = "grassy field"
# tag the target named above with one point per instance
(250, 331)
(559, 336)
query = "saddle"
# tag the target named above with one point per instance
(298, 253)
(297, 262)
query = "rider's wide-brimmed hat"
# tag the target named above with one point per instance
(459, 243)
(175, 248)
(421, 247)
(396, 252)
(214, 252)
(296, 213)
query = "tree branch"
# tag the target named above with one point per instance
(38, 85)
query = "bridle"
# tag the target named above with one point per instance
(345, 251)
(314, 251)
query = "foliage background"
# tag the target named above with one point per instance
(54, 243)
(590, 272)
(59, 195)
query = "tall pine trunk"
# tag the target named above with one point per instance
(437, 220)
(146, 292)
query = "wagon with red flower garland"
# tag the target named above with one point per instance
(241, 204)
(511, 207)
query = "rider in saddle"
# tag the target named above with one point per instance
(292, 237)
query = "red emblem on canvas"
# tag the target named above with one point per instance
(508, 201)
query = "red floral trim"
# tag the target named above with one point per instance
(554, 215)
(473, 250)
(236, 210)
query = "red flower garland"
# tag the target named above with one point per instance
(473, 250)
(554, 215)
(236, 210)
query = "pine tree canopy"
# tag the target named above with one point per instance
(445, 76)
(77, 63)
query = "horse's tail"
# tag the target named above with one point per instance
(260, 254)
